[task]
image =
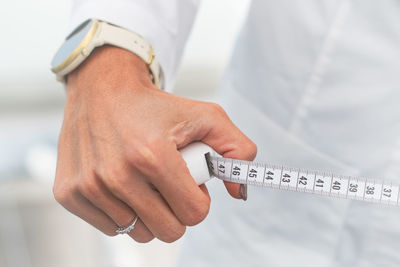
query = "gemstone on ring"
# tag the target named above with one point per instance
(126, 230)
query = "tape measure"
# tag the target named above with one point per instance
(204, 163)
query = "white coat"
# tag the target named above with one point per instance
(315, 84)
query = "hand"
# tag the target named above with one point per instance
(118, 149)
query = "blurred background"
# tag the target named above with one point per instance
(34, 230)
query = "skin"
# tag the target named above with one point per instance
(118, 149)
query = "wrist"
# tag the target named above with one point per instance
(110, 66)
(92, 34)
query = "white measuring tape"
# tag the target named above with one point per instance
(203, 164)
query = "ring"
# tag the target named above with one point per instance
(126, 230)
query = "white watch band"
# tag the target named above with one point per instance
(105, 33)
(131, 41)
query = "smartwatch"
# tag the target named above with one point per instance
(94, 33)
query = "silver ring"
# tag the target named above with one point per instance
(126, 230)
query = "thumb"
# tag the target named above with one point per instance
(227, 140)
(209, 123)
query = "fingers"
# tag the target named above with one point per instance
(203, 188)
(141, 233)
(215, 129)
(121, 214)
(132, 189)
(165, 168)
(81, 207)
(142, 175)
(226, 139)
(247, 153)
(233, 189)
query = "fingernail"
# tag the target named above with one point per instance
(243, 191)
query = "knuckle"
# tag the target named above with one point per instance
(173, 234)
(114, 176)
(88, 187)
(216, 109)
(120, 187)
(196, 213)
(251, 150)
(110, 170)
(62, 194)
(145, 156)
(115, 186)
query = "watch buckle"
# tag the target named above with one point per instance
(151, 56)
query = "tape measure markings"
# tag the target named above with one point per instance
(303, 181)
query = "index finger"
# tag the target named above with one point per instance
(166, 170)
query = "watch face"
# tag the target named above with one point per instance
(72, 43)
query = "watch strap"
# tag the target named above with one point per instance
(103, 33)
(120, 37)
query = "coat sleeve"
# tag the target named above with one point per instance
(164, 24)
